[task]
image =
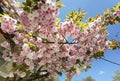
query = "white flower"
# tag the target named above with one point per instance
(31, 16)
(91, 24)
(5, 75)
(35, 13)
(30, 56)
(25, 47)
(23, 74)
(97, 36)
(48, 16)
(40, 55)
(99, 20)
(39, 39)
(44, 7)
(5, 18)
(20, 73)
(43, 73)
(6, 70)
(25, 40)
(108, 42)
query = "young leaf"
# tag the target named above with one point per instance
(60, 4)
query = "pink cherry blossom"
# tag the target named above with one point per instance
(8, 24)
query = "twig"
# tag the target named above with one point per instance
(61, 42)
(12, 43)
(13, 9)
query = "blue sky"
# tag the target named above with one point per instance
(101, 70)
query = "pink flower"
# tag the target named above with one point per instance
(72, 59)
(41, 43)
(6, 45)
(117, 13)
(20, 73)
(8, 24)
(30, 64)
(20, 60)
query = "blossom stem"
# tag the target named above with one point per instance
(61, 42)
(17, 15)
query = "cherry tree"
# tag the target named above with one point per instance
(35, 45)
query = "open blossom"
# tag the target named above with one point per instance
(53, 53)
(117, 13)
(20, 73)
(6, 45)
(8, 24)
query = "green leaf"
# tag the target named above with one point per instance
(67, 79)
(27, 8)
(32, 46)
(45, 40)
(83, 12)
(1, 49)
(72, 69)
(77, 17)
(2, 38)
(36, 1)
(36, 33)
(60, 4)
(54, 78)
(29, 2)
(98, 54)
(114, 44)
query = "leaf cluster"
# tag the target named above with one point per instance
(30, 5)
(76, 16)
(114, 44)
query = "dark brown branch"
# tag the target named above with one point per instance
(4, 34)
(13, 8)
(65, 38)
(61, 42)
(7, 37)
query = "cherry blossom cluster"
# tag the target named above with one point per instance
(43, 18)
(8, 25)
(117, 13)
(41, 43)
(12, 7)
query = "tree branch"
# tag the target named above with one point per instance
(61, 42)
(17, 15)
